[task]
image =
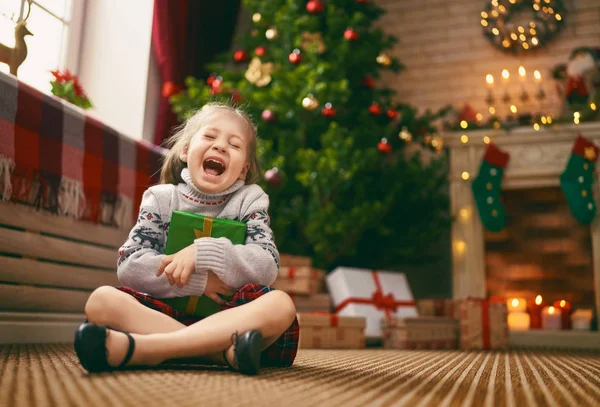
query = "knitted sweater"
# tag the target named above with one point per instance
(255, 262)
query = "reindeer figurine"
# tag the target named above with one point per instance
(15, 56)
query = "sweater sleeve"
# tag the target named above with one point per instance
(256, 262)
(141, 254)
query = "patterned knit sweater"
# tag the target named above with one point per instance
(255, 262)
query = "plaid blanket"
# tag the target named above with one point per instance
(56, 157)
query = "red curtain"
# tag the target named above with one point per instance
(169, 31)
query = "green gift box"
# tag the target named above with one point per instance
(185, 227)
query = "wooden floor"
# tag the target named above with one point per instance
(50, 375)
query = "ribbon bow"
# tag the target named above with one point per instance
(385, 302)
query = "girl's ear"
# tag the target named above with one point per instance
(242, 176)
(184, 154)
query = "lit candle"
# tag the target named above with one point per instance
(522, 73)
(535, 310)
(537, 76)
(516, 305)
(489, 78)
(505, 75)
(582, 319)
(551, 318)
(518, 321)
(565, 309)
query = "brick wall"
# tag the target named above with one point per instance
(447, 56)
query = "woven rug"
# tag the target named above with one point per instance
(49, 375)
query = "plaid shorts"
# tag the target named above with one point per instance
(280, 353)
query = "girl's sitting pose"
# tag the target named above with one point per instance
(210, 170)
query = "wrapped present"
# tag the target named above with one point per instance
(186, 227)
(483, 323)
(312, 303)
(438, 308)
(320, 330)
(420, 333)
(300, 280)
(372, 294)
(288, 260)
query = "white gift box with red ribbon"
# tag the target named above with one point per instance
(372, 294)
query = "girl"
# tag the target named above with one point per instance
(210, 170)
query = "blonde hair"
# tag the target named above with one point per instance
(178, 142)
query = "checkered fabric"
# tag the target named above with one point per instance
(281, 353)
(55, 156)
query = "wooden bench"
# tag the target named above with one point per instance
(49, 265)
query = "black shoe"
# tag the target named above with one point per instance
(246, 352)
(90, 346)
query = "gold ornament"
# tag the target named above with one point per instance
(272, 33)
(259, 73)
(590, 153)
(313, 40)
(405, 135)
(437, 143)
(254, 33)
(384, 59)
(309, 102)
(256, 17)
(427, 140)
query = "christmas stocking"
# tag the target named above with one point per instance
(577, 179)
(487, 188)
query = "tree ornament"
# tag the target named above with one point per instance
(216, 85)
(315, 40)
(405, 135)
(240, 56)
(309, 102)
(272, 33)
(393, 114)
(236, 96)
(487, 188)
(384, 59)
(368, 82)
(437, 143)
(384, 146)
(577, 180)
(272, 177)
(315, 6)
(328, 110)
(295, 57)
(256, 17)
(210, 80)
(375, 109)
(362, 1)
(260, 51)
(268, 115)
(259, 73)
(350, 34)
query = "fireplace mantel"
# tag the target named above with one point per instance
(537, 158)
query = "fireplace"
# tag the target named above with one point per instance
(554, 241)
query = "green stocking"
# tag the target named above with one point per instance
(577, 179)
(487, 188)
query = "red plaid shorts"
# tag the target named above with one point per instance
(280, 353)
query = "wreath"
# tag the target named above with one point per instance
(505, 23)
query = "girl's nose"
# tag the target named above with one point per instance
(220, 147)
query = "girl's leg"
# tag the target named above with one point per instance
(271, 314)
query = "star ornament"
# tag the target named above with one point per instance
(590, 154)
(259, 73)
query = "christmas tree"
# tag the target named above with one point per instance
(343, 159)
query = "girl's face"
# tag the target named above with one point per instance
(217, 154)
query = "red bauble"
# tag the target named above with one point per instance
(384, 146)
(272, 177)
(260, 51)
(328, 110)
(362, 1)
(392, 114)
(375, 109)
(236, 97)
(240, 56)
(368, 82)
(315, 7)
(268, 115)
(210, 80)
(350, 34)
(216, 85)
(295, 57)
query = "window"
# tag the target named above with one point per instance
(56, 27)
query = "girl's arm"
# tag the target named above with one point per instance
(256, 262)
(140, 256)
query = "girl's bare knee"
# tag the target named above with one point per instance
(103, 303)
(285, 307)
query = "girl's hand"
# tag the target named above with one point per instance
(214, 287)
(179, 266)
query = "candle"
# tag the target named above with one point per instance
(535, 310)
(538, 76)
(582, 319)
(551, 318)
(522, 73)
(505, 75)
(516, 304)
(565, 309)
(518, 321)
(490, 80)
